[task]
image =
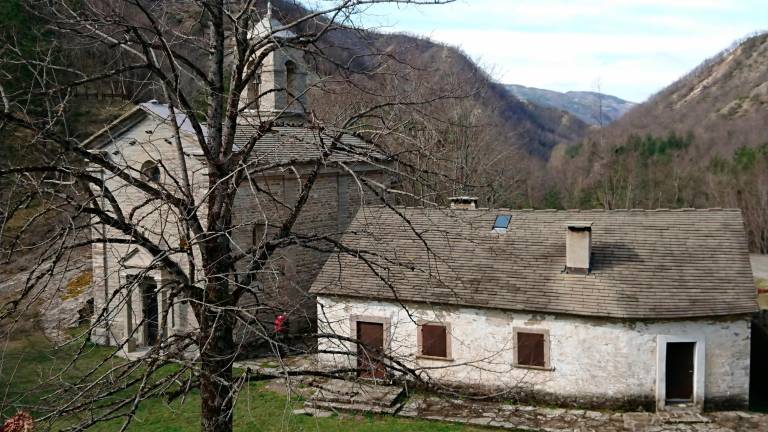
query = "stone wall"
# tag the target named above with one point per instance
(149, 140)
(594, 362)
(285, 282)
(333, 202)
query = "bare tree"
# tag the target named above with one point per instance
(180, 207)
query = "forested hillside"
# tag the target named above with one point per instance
(478, 138)
(701, 142)
(723, 102)
(519, 126)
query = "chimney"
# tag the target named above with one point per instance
(578, 247)
(463, 202)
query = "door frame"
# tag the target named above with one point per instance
(133, 309)
(154, 297)
(384, 321)
(699, 371)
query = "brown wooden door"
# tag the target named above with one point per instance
(680, 373)
(369, 350)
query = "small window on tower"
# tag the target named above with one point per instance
(291, 83)
(254, 90)
(502, 222)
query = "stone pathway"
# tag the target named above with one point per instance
(357, 396)
(343, 396)
(532, 418)
(509, 416)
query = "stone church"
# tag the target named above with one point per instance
(133, 292)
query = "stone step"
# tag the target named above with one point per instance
(354, 393)
(312, 412)
(352, 407)
(672, 417)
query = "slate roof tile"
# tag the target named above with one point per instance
(287, 141)
(296, 143)
(646, 264)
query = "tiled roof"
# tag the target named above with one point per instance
(645, 264)
(297, 143)
(286, 142)
(164, 112)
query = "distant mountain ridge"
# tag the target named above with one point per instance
(583, 104)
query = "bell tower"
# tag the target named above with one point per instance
(278, 89)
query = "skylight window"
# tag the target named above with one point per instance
(502, 222)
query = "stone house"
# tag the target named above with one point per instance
(622, 308)
(143, 141)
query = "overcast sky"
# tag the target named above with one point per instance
(632, 48)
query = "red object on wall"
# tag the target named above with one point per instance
(280, 324)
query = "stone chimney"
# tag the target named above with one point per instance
(578, 247)
(463, 202)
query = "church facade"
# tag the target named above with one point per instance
(133, 304)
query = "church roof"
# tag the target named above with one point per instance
(656, 264)
(164, 112)
(285, 143)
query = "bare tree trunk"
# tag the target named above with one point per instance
(136, 207)
(216, 339)
(216, 357)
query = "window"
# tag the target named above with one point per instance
(253, 92)
(532, 348)
(150, 171)
(433, 341)
(290, 79)
(502, 222)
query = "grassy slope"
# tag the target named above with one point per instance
(28, 360)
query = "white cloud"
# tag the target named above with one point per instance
(632, 65)
(634, 47)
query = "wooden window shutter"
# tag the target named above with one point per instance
(530, 349)
(434, 340)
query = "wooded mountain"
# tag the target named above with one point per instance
(700, 142)
(723, 102)
(536, 128)
(533, 128)
(591, 107)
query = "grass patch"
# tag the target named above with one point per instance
(27, 365)
(259, 409)
(31, 368)
(761, 283)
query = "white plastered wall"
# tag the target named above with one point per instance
(596, 358)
